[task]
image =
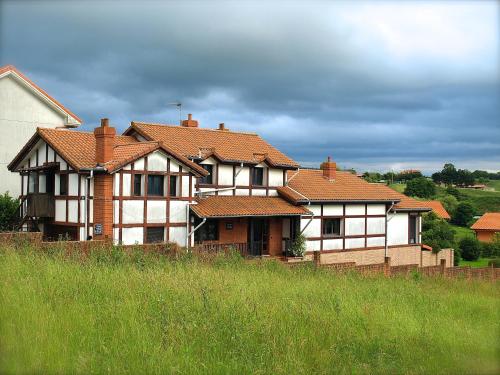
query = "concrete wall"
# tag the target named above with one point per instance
(21, 112)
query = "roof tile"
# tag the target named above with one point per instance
(489, 221)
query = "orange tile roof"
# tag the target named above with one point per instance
(12, 68)
(489, 221)
(227, 146)
(309, 184)
(78, 149)
(438, 209)
(228, 206)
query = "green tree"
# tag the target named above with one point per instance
(450, 203)
(463, 215)
(470, 248)
(464, 178)
(8, 212)
(437, 233)
(449, 174)
(420, 187)
(437, 178)
(453, 191)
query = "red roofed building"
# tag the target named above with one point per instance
(209, 187)
(438, 209)
(487, 226)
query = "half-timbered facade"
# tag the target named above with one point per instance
(190, 185)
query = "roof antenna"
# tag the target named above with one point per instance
(179, 106)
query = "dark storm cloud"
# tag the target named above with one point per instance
(314, 79)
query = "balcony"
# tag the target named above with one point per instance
(40, 205)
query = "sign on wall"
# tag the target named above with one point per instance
(97, 229)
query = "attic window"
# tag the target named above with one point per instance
(257, 176)
(207, 179)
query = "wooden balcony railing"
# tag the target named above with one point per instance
(40, 205)
(214, 247)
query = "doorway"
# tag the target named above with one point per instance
(258, 237)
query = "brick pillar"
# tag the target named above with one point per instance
(103, 183)
(103, 205)
(442, 266)
(317, 258)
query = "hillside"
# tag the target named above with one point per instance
(145, 314)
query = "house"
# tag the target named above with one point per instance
(208, 187)
(487, 226)
(438, 209)
(23, 107)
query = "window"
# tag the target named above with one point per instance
(137, 185)
(173, 186)
(207, 179)
(63, 184)
(32, 177)
(155, 234)
(413, 229)
(155, 185)
(207, 232)
(332, 227)
(257, 176)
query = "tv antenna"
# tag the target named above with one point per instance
(179, 107)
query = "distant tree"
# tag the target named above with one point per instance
(450, 203)
(464, 178)
(480, 174)
(437, 178)
(437, 233)
(420, 187)
(372, 176)
(463, 214)
(407, 176)
(470, 248)
(389, 177)
(449, 174)
(8, 212)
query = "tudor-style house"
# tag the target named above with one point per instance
(192, 185)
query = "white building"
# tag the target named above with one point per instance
(23, 107)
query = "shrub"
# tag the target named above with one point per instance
(450, 203)
(463, 215)
(453, 191)
(491, 249)
(298, 247)
(470, 248)
(420, 187)
(436, 232)
(8, 212)
(494, 262)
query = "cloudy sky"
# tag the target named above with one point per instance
(378, 86)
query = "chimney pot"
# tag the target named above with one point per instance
(104, 122)
(221, 126)
(190, 116)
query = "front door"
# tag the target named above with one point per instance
(258, 237)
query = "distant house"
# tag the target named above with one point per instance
(438, 209)
(23, 107)
(487, 226)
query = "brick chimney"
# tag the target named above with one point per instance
(103, 182)
(104, 142)
(329, 169)
(222, 127)
(190, 123)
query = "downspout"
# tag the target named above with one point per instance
(387, 228)
(222, 189)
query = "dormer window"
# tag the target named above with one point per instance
(257, 176)
(207, 179)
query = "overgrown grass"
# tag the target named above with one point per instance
(481, 262)
(145, 314)
(462, 232)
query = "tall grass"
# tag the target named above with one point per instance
(146, 314)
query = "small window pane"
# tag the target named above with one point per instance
(258, 176)
(63, 184)
(155, 185)
(173, 186)
(207, 179)
(155, 234)
(137, 185)
(32, 182)
(332, 227)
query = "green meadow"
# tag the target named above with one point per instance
(131, 314)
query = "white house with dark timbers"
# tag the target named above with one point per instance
(192, 185)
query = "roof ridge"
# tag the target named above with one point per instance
(194, 128)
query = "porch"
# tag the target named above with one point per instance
(256, 226)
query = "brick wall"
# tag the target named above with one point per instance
(103, 205)
(20, 238)
(236, 235)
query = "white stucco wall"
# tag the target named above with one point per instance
(397, 229)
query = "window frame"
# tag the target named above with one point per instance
(161, 185)
(173, 192)
(134, 191)
(207, 180)
(63, 177)
(157, 229)
(253, 170)
(325, 227)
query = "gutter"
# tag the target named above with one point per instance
(387, 219)
(190, 233)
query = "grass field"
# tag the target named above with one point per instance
(481, 262)
(144, 314)
(494, 184)
(462, 232)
